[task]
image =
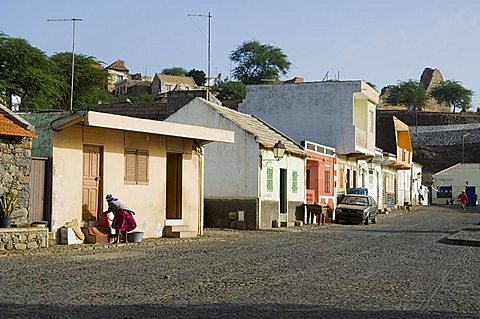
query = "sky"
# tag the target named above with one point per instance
(379, 41)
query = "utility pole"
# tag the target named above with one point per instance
(209, 16)
(73, 20)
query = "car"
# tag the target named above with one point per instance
(357, 209)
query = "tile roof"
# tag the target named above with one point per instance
(118, 65)
(176, 79)
(267, 135)
(7, 127)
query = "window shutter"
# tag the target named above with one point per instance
(142, 173)
(294, 181)
(269, 179)
(327, 181)
(130, 165)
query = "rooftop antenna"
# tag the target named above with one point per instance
(209, 16)
(73, 20)
(325, 77)
(338, 75)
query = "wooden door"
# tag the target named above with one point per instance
(174, 186)
(37, 189)
(91, 182)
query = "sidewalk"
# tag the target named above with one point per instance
(469, 236)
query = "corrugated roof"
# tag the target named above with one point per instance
(267, 135)
(7, 127)
(176, 79)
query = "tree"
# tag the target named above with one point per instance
(199, 76)
(26, 71)
(176, 70)
(409, 93)
(89, 80)
(454, 94)
(229, 90)
(257, 62)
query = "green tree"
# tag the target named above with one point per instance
(408, 93)
(454, 94)
(229, 90)
(176, 70)
(199, 76)
(27, 72)
(89, 80)
(257, 62)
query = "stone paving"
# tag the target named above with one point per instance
(402, 267)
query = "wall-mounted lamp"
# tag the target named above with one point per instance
(197, 147)
(278, 150)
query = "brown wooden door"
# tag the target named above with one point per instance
(174, 186)
(37, 189)
(91, 182)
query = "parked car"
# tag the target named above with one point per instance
(357, 208)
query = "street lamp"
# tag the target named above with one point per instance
(463, 146)
(278, 150)
(73, 53)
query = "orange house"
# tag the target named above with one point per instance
(320, 175)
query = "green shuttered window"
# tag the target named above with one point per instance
(269, 179)
(295, 182)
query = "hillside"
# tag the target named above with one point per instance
(437, 137)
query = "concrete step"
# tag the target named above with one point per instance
(287, 224)
(179, 231)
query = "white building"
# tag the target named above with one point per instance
(450, 182)
(245, 186)
(339, 114)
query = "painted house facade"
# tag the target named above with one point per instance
(155, 168)
(393, 137)
(320, 175)
(245, 186)
(340, 114)
(162, 83)
(450, 182)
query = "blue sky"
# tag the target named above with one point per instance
(379, 41)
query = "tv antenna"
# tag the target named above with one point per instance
(73, 20)
(209, 16)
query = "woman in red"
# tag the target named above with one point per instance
(463, 199)
(123, 221)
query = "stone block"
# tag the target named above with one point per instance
(9, 246)
(32, 245)
(20, 246)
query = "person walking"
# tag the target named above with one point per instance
(123, 221)
(463, 199)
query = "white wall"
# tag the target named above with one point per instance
(290, 163)
(459, 177)
(230, 169)
(320, 112)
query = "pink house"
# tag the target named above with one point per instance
(320, 175)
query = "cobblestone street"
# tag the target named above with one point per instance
(398, 268)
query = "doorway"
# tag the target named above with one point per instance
(92, 159)
(174, 186)
(470, 191)
(283, 191)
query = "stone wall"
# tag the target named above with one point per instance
(15, 167)
(23, 238)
